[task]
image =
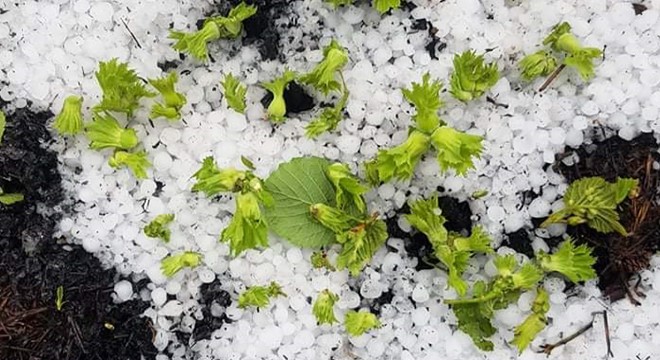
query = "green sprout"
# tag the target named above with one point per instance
(456, 149)
(10, 198)
(137, 162)
(359, 322)
(323, 308)
(248, 228)
(259, 296)
(324, 77)
(426, 98)
(472, 76)
(319, 260)
(172, 100)
(593, 201)
(214, 28)
(105, 132)
(277, 108)
(3, 125)
(175, 263)
(540, 63)
(122, 88)
(234, 93)
(59, 298)
(525, 333)
(157, 228)
(70, 120)
(349, 190)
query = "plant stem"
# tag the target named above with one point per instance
(552, 77)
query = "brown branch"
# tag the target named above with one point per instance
(552, 77)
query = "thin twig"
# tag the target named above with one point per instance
(607, 334)
(552, 77)
(132, 35)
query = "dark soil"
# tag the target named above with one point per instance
(261, 29)
(89, 325)
(295, 97)
(521, 242)
(211, 294)
(619, 257)
(458, 216)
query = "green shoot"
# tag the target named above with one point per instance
(472, 76)
(426, 98)
(324, 76)
(172, 100)
(400, 161)
(383, 6)
(137, 162)
(319, 260)
(10, 198)
(540, 63)
(323, 308)
(593, 201)
(234, 93)
(525, 333)
(3, 125)
(105, 132)
(574, 262)
(349, 190)
(456, 149)
(451, 249)
(59, 298)
(277, 108)
(122, 88)
(248, 228)
(359, 322)
(259, 296)
(70, 120)
(175, 263)
(229, 27)
(157, 228)
(330, 117)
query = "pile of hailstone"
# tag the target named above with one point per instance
(51, 48)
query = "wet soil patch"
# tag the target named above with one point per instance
(212, 297)
(88, 325)
(296, 98)
(622, 257)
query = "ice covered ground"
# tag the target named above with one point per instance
(51, 48)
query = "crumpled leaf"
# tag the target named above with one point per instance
(259, 296)
(122, 88)
(324, 76)
(248, 228)
(456, 149)
(359, 322)
(323, 308)
(472, 76)
(426, 98)
(525, 333)
(234, 93)
(360, 243)
(400, 161)
(175, 263)
(574, 262)
(349, 190)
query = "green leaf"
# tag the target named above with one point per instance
(174, 263)
(11, 199)
(557, 31)
(248, 228)
(582, 61)
(426, 98)
(525, 333)
(384, 6)
(295, 187)
(349, 189)
(105, 132)
(472, 76)
(400, 161)
(574, 262)
(211, 180)
(137, 162)
(593, 201)
(122, 88)
(259, 296)
(3, 124)
(234, 93)
(324, 75)
(70, 120)
(360, 244)
(324, 307)
(358, 323)
(157, 228)
(540, 63)
(277, 108)
(473, 321)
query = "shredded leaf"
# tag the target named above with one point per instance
(231, 26)
(426, 98)
(175, 263)
(137, 162)
(400, 161)
(360, 243)
(319, 260)
(234, 93)
(456, 149)
(525, 333)
(332, 218)
(172, 100)
(277, 108)
(540, 63)
(70, 119)
(259, 296)
(557, 31)
(157, 228)
(574, 262)
(472, 76)
(578, 57)
(248, 228)
(329, 118)
(384, 6)
(10, 198)
(582, 61)
(323, 307)
(349, 190)
(122, 88)
(105, 132)
(358, 323)
(593, 201)
(213, 181)
(324, 76)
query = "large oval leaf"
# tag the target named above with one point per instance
(295, 186)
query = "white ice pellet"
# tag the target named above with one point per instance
(420, 294)
(123, 290)
(294, 255)
(348, 144)
(172, 308)
(102, 11)
(370, 289)
(538, 208)
(206, 276)
(159, 296)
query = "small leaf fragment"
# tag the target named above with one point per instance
(359, 322)
(259, 296)
(323, 308)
